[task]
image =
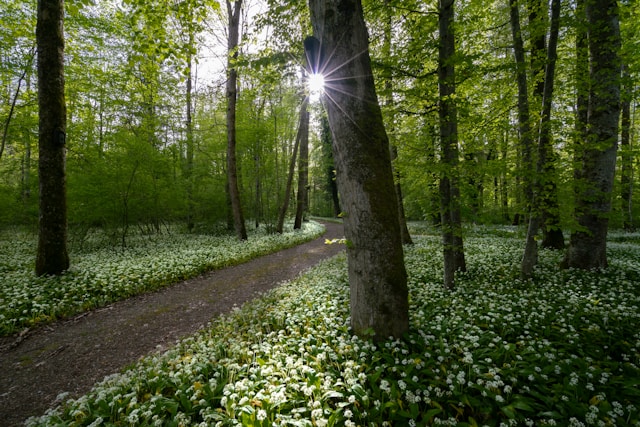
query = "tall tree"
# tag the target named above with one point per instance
(52, 256)
(330, 170)
(449, 192)
(233, 13)
(587, 247)
(388, 89)
(303, 132)
(524, 119)
(626, 154)
(544, 184)
(24, 76)
(543, 65)
(377, 275)
(303, 171)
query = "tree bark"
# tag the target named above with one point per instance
(582, 92)
(588, 244)
(626, 154)
(530, 256)
(547, 204)
(449, 193)
(303, 170)
(190, 148)
(388, 87)
(303, 120)
(524, 124)
(544, 184)
(332, 186)
(232, 93)
(377, 276)
(52, 256)
(23, 77)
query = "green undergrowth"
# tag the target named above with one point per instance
(102, 273)
(561, 349)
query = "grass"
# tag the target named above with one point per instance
(560, 349)
(102, 273)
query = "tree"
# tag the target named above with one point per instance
(597, 156)
(303, 170)
(52, 256)
(388, 95)
(302, 134)
(543, 183)
(626, 158)
(329, 167)
(232, 93)
(524, 121)
(377, 276)
(449, 193)
(543, 74)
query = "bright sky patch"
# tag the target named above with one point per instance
(315, 83)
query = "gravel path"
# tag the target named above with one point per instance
(72, 355)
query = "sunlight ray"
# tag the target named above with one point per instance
(351, 119)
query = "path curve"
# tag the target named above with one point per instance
(72, 355)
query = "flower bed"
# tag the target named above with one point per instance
(561, 349)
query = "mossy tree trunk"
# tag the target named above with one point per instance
(303, 170)
(597, 156)
(303, 132)
(377, 275)
(388, 99)
(626, 154)
(544, 196)
(451, 222)
(232, 95)
(543, 59)
(52, 256)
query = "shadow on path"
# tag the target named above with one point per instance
(72, 355)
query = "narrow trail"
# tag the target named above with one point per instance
(72, 355)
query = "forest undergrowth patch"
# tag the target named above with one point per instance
(560, 349)
(102, 273)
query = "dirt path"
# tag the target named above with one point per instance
(71, 356)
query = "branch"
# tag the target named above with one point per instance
(5, 131)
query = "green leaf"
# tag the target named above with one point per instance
(509, 411)
(521, 404)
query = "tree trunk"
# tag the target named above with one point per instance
(544, 183)
(258, 209)
(587, 247)
(52, 256)
(582, 93)
(303, 170)
(547, 204)
(449, 192)
(377, 276)
(332, 186)
(189, 125)
(530, 257)
(388, 87)
(232, 93)
(287, 192)
(504, 194)
(26, 173)
(626, 155)
(7, 122)
(524, 125)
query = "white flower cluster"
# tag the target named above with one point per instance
(101, 274)
(495, 348)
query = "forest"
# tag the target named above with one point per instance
(482, 156)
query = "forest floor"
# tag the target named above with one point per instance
(71, 355)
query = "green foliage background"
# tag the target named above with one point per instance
(126, 71)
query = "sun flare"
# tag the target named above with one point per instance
(315, 84)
